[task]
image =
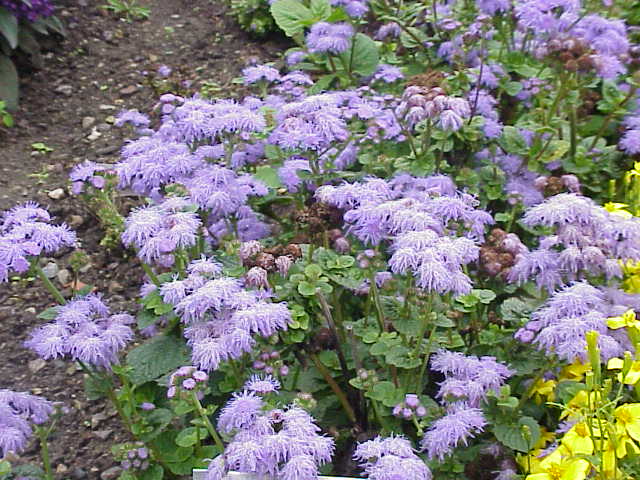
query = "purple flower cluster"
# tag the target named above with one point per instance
(136, 458)
(277, 443)
(587, 241)
(332, 38)
(18, 410)
(86, 173)
(186, 378)
(159, 231)
(630, 140)
(419, 103)
(468, 379)
(560, 325)
(260, 73)
(422, 217)
(84, 330)
(25, 231)
(409, 408)
(391, 458)
(221, 316)
(30, 11)
(353, 8)
(271, 363)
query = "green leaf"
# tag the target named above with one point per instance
(512, 88)
(306, 289)
(484, 296)
(9, 27)
(515, 436)
(413, 38)
(49, 314)
(96, 387)
(321, 9)
(154, 472)
(512, 142)
(291, 16)
(323, 83)
(363, 56)
(5, 467)
(313, 271)
(190, 435)
(555, 151)
(156, 357)
(8, 83)
(168, 450)
(269, 176)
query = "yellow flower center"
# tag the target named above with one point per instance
(582, 430)
(624, 416)
(555, 472)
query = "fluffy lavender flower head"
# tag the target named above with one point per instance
(260, 73)
(388, 73)
(459, 425)
(134, 117)
(25, 231)
(331, 38)
(17, 411)
(391, 458)
(31, 11)
(84, 330)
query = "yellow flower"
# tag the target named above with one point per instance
(575, 371)
(628, 418)
(633, 375)
(579, 402)
(624, 444)
(545, 437)
(618, 209)
(559, 465)
(628, 320)
(632, 284)
(544, 390)
(578, 440)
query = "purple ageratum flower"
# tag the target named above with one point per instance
(134, 117)
(560, 325)
(288, 173)
(164, 70)
(25, 232)
(388, 73)
(295, 57)
(387, 30)
(262, 385)
(240, 412)
(391, 458)
(159, 230)
(260, 73)
(491, 7)
(457, 427)
(17, 411)
(330, 38)
(30, 11)
(84, 330)
(468, 378)
(630, 141)
(86, 172)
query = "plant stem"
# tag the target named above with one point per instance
(425, 362)
(376, 410)
(42, 434)
(376, 301)
(335, 387)
(207, 422)
(47, 283)
(152, 276)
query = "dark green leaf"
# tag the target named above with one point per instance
(321, 9)
(190, 435)
(512, 142)
(323, 83)
(521, 436)
(9, 27)
(49, 314)
(363, 57)
(8, 83)
(291, 16)
(154, 472)
(96, 387)
(156, 357)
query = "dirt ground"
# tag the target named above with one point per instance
(68, 105)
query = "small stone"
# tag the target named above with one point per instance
(36, 365)
(114, 287)
(103, 434)
(111, 473)
(78, 473)
(64, 90)
(30, 310)
(153, 58)
(62, 468)
(110, 120)
(87, 122)
(97, 419)
(107, 107)
(50, 270)
(107, 150)
(94, 135)
(57, 194)
(127, 91)
(64, 276)
(103, 127)
(75, 221)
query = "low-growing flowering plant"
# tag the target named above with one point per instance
(390, 260)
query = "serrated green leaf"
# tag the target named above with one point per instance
(306, 289)
(96, 387)
(291, 16)
(190, 435)
(323, 83)
(156, 357)
(321, 9)
(512, 142)
(154, 472)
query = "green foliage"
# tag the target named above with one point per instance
(156, 357)
(128, 9)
